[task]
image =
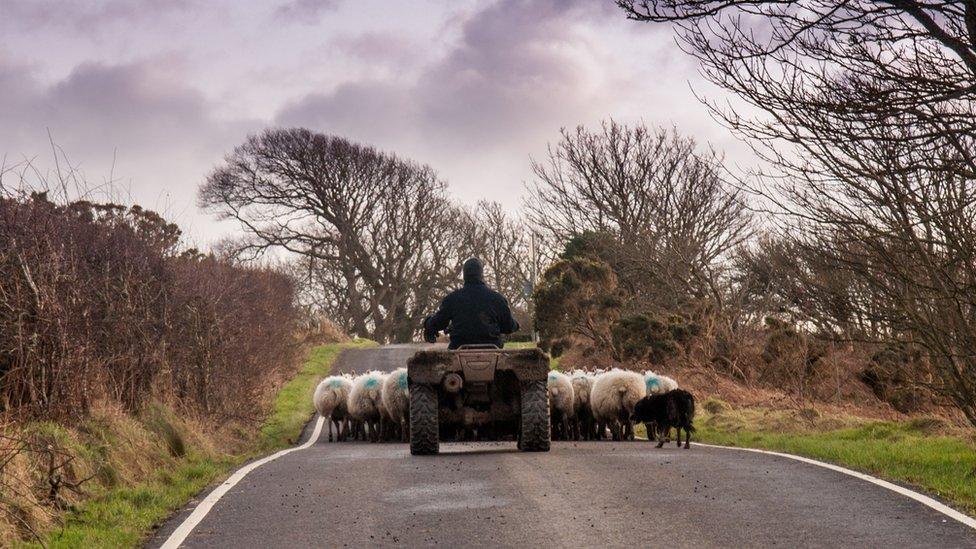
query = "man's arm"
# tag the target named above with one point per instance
(507, 323)
(437, 322)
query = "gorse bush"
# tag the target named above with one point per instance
(98, 301)
(576, 303)
(642, 337)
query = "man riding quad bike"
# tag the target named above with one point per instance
(475, 390)
(474, 314)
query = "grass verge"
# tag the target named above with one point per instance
(293, 405)
(923, 452)
(122, 514)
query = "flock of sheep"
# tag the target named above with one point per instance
(373, 406)
(583, 405)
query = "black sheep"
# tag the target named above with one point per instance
(662, 412)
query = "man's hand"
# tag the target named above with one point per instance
(430, 336)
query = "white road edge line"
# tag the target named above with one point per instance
(921, 498)
(183, 530)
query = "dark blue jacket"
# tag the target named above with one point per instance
(473, 314)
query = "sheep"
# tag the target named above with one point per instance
(396, 401)
(584, 427)
(671, 409)
(561, 404)
(657, 384)
(613, 397)
(330, 401)
(365, 402)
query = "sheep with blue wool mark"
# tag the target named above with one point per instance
(396, 400)
(657, 384)
(330, 400)
(366, 403)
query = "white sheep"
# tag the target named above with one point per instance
(396, 401)
(330, 401)
(613, 397)
(562, 402)
(585, 427)
(365, 402)
(657, 384)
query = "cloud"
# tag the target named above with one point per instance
(90, 16)
(136, 121)
(377, 48)
(518, 68)
(305, 11)
(517, 72)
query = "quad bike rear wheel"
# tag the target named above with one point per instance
(423, 420)
(534, 429)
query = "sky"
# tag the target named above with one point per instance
(146, 97)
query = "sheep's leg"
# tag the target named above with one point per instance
(687, 438)
(650, 431)
(329, 421)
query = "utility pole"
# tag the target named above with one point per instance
(533, 273)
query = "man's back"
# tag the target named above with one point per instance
(474, 314)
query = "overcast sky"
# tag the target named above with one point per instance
(473, 88)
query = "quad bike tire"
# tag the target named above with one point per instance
(423, 420)
(534, 426)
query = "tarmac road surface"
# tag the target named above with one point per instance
(585, 494)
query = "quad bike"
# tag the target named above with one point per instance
(480, 392)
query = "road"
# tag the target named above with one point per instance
(586, 494)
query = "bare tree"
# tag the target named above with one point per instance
(502, 242)
(376, 231)
(668, 214)
(866, 120)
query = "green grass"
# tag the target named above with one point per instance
(914, 452)
(293, 405)
(123, 516)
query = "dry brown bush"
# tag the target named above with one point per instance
(98, 303)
